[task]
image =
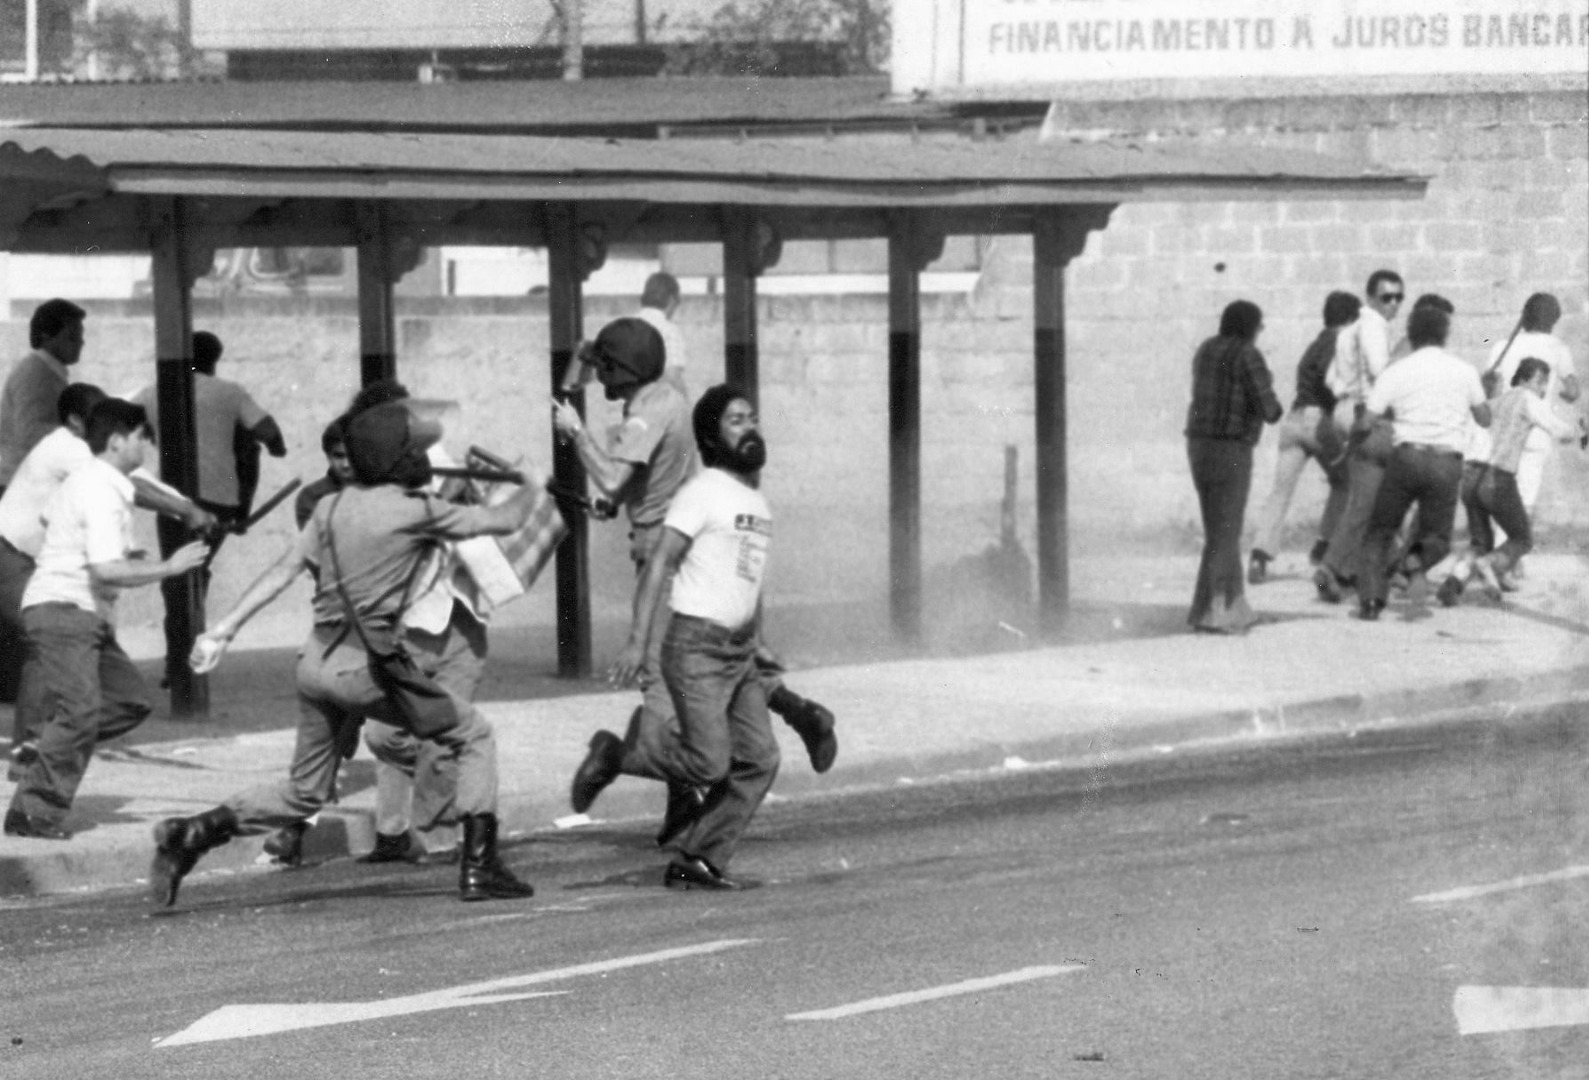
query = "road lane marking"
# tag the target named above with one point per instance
(1484, 1009)
(915, 997)
(248, 1021)
(1468, 892)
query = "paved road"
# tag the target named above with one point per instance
(1293, 911)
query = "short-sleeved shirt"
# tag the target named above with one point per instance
(380, 533)
(655, 436)
(1553, 350)
(57, 456)
(27, 408)
(88, 521)
(730, 527)
(220, 407)
(1361, 355)
(1432, 394)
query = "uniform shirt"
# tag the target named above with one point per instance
(672, 341)
(220, 406)
(1361, 356)
(655, 436)
(380, 534)
(57, 456)
(1553, 350)
(27, 408)
(88, 521)
(1518, 414)
(1432, 394)
(1232, 392)
(729, 526)
(1311, 389)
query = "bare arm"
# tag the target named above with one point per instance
(663, 563)
(607, 473)
(151, 495)
(268, 433)
(1481, 414)
(130, 573)
(272, 583)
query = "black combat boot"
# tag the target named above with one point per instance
(481, 875)
(812, 722)
(178, 843)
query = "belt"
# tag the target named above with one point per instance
(1429, 448)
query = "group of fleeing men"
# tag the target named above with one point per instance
(390, 536)
(1404, 431)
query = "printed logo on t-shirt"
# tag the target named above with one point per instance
(752, 524)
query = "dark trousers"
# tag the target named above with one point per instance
(1493, 499)
(15, 571)
(1222, 474)
(1365, 472)
(1415, 475)
(96, 693)
(721, 737)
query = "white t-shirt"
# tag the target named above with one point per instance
(1546, 347)
(729, 525)
(1432, 394)
(1362, 353)
(676, 360)
(88, 521)
(219, 408)
(51, 461)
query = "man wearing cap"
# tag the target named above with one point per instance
(368, 540)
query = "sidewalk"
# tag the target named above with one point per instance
(1135, 681)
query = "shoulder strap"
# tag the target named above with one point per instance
(336, 573)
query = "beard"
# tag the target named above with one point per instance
(748, 457)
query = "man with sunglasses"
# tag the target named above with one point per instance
(1361, 357)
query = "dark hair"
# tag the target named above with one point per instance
(708, 415)
(1341, 308)
(1541, 312)
(78, 400)
(379, 392)
(1242, 319)
(1434, 300)
(1527, 368)
(207, 350)
(113, 416)
(1377, 278)
(660, 290)
(335, 434)
(1428, 326)
(50, 318)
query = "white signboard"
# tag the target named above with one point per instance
(973, 43)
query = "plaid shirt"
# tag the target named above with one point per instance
(1232, 393)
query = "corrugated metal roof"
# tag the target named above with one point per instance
(608, 105)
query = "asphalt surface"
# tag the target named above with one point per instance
(1402, 902)
(984, 695)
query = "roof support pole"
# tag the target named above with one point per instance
(1058, 236)
(565, 303)
(910, 249)
(377, 318)
(173, 270)
(750, 246)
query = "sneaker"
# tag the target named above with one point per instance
(1258, 567)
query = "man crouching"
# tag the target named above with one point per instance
(367, 541)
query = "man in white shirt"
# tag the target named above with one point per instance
(1361, 356)
(88, 555)
(1534, 337)
(714, 547)
(27, 402)
(1431, 395)
(659, 302)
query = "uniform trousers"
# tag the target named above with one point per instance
(1429, 477)
(415, 783)
(95, 694)
(720, 736)
(336, 693)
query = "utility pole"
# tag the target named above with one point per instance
(31, 70)
(573, 12)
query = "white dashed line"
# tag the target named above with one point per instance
(1469, 892)
(1482, 1010)
(916, 997)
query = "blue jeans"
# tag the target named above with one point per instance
(95, 694)
(1429, 478)
(720, 737)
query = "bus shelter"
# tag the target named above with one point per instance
(180, 192)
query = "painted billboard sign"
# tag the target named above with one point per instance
(1042, 42)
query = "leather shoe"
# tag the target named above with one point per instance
(399, 848)
(19, 824)
(1369, 610)
(685, 804)
(693, 872)
(1328, 585)
(599, 769)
